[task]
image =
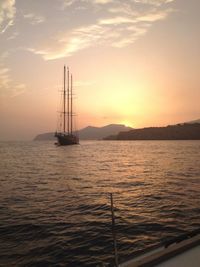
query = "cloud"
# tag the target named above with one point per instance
(68, 43)
(34, 19)
(152, 17)
(153, 2)
(103, 1)
(113, 23)
(4, 78)
(7, 86)
(13, 36)
(84, 83)
(116, 21)
(7, 14)
(67, 3)
(19, 89)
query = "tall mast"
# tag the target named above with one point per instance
(64, 101)
(68, 100)
(71, 105)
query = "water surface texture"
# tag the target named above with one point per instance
(55, 206)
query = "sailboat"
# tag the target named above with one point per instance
(66, 136)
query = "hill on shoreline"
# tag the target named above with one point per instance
(183, 131)
(187, 131)
(89, 133)
(192, 122)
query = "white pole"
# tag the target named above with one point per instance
(113, 230)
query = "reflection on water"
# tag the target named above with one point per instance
(55, 210)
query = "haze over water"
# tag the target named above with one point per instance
(55, 207)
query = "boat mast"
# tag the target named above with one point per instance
(64, 101)
(71, 104)
(67, 100)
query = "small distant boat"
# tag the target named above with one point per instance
(66, 135)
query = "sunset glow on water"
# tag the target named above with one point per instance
(55, 204)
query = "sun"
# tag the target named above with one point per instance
(127, 123)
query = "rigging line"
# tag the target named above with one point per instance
(59, 115)
(68, 100)
(71, 104)
(64, 100)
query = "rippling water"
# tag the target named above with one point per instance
(55, 207)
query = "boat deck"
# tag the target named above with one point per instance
(183, 254)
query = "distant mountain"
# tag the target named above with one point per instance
(90, 132)
(45, 137)
(175, 132)
(195, 121)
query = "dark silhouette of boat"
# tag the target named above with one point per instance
(66, 135)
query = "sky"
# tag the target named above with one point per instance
(134, 62)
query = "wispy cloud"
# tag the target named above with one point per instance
(67, 3)
(153, 2)
(13, 36)
(4, 78)
(102, 1)
(7, 14)
(84, 83)
(19, 89)
(34, 19)
(114, 24)
(7, 86)
(154, 16)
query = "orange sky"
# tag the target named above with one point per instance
(134, 62)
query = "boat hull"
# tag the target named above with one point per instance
(66, 140)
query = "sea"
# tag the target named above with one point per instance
(55, 207)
